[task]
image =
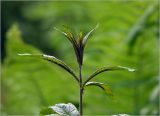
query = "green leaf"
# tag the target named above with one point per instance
(65, 109)
(103, 86)
(46, 111)
(73, 41)
(139, 26)
(55, 61)
(87, 35)
(103, 69)
(69, 36)
(80, 38)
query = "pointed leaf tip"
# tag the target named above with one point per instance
(126, 68)
(60, 31)
(103, 69)
(87, 35)
(97, 26)
(55, 61)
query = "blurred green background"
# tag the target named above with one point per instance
(127, 36)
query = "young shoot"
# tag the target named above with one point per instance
(78, 42)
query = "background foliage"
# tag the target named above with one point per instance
(127, 36)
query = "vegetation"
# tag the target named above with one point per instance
(78, 45)
(127, 36)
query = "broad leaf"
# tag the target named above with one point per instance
(121, 115)
(55, 61)
(103, 69)
(87, 35)
(103, 86)
(53, 115)
(65, 109)
(46, 111)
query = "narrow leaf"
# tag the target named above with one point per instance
(80, 38)
(87, 35)
(69, 36)
(65, 109)
(103, 69)
(55, 61)
(103, 86)
(75, 44)
(60, 31)
(73, 41)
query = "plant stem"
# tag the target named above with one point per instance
(81, 91)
